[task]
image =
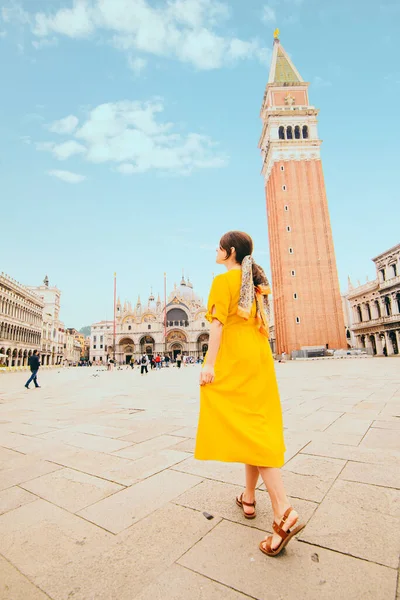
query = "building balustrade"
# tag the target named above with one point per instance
(389, 282)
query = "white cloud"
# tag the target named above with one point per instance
(67, 176)
(137, 65)
(68, 149)
(182, 29)
(131, 136)
(73, 22)
(44, 43)
(268, 14)
(65, 126)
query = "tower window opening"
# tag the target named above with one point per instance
(288, 229)
(286, 208)
(293, 273)
(290, 250)
(305, 132)
(394, 268)
(289, 133)
(281, 133)
(148, 326)
(297, 132)
(297, 320)
(284, 188)
(282, 168)
(383, 274)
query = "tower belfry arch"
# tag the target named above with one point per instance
(307, 302)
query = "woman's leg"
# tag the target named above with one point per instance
(279, 500)
(249, 493)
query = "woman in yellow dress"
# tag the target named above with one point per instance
(240, 413)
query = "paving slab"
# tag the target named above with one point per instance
(388, 476)
(179, 583)
(358, 519)
(125, 508)
(218, 499)
(15, 586)
(230, 555)
(38, 537)
(340, 466)
(134, 559)
(71, 489)
(14, 497)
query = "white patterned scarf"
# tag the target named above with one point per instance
(249, 292)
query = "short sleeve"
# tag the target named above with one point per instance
(220, 297)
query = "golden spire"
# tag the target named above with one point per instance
(276, 34)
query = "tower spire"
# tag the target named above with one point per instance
(282, 69)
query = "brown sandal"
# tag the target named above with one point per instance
(285, 535)
(240, 502)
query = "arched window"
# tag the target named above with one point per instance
(305, 132)
(297, 132)
(368, 311)
(289, 133)
(177, 314)
(281, 133)
(129, 327)
(388, 306)
(398, 301)
(359, 313)
(378, 309)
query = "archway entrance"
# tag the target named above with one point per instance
(373, 343)
(126, 348)
(176, 349)
(202, 343)
(393, 340)
(147, 344)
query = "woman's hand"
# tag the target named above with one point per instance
(207, 375)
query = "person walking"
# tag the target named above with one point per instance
(240, 412)
(178, 360)
(158, 361)
(143, 364)
(34, 364)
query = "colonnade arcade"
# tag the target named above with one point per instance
(19, 333)
(377, 324)
(176, 342)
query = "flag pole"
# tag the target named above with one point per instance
(165, 314)
(115, 308)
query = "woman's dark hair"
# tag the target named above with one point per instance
(243, 245)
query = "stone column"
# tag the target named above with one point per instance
(397, 332)
(378, 342)
(389, 347)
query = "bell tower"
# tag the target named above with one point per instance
(307, 302)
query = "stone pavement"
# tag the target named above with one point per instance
(101, 499)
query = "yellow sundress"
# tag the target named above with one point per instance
(240, 412)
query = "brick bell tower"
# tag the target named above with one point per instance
(307, 302)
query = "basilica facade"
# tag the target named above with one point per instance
(145, 330)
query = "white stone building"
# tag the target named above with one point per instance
(53, 329)
(101, 339)
(375, 307)
(21, 314)
(142, 329)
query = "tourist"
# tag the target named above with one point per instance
(34, 364)
(158, 362)
(132, 362)
(166, 360)
(178, 360)
(240, 412)
(143, 364)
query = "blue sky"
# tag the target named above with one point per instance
(129, 132)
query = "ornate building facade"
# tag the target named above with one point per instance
(21, 314)
(375, 307)
(142, 329)
(307, 302)
(54, 335)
